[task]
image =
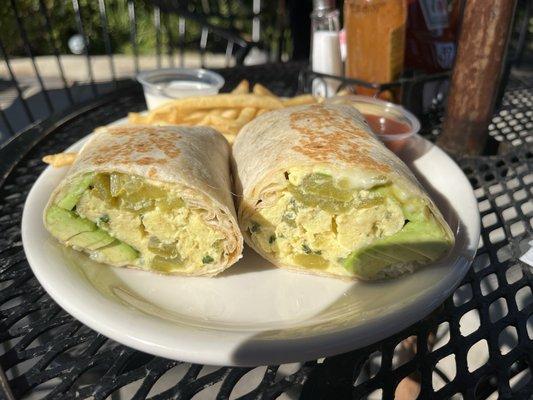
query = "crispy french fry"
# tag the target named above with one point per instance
(194, 116)
(60, 159)
(216, 111)
(344, 92)
(246, 115)
(135, 118)
(226, 100)
(223, 128)
(262, 91)
(230, 113)
(231, 125)
(171, 115)
(227, 113)
(230, 137)
(242, 88)
(205, 121)
(299, 100)
(223, 124)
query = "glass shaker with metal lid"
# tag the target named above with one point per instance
(325, 46)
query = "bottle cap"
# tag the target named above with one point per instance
(323, 4)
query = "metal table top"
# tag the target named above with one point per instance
(479, 342)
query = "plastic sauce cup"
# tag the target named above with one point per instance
(163, 85)
(391, 123)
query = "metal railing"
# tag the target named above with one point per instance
(228, 28)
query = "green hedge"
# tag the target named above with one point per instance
(64, 25)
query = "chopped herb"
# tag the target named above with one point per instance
(286, 175)
(318, 252)
(255, 228)
(207, 259)
(306, 249)
(406, 222)
(103, 219)
(289, 217)
(272, 239)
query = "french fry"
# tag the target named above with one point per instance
(246, 115)
(227, 113)
(171, 115)
(230, 137)
(226, 100)
(135, 118)
(223, 124)
(216, 111)
(60, 160)
(223, 127)
(299, 100)
(242, 88)
(232, 125)
(194, 116)
(230, 113)
(262, 91)
(344, 92)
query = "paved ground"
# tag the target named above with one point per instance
(77, 77)
(76, 70)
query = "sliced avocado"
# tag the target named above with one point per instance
(65, 224)
(420, 241)
(91, 240)
(73, 192)
(119, 253)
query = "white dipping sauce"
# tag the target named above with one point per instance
(168, 91)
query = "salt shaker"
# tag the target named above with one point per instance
(325, 47)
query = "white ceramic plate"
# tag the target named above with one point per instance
(253, 313)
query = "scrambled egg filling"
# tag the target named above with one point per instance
(165, 233)
(317, 222)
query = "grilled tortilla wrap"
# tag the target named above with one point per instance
(154, 198)
(320, 194)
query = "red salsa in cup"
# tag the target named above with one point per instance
(386, 126)
(390, 122)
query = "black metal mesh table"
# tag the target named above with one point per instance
(44, 352)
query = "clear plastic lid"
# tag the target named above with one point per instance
(173, 82)
(387, 120)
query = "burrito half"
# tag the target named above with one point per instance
(154, 198)
(320, 194)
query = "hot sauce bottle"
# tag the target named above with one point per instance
(375, 40)
(431, 35)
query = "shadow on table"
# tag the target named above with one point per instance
(35, 107)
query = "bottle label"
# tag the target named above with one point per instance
(397, 48)
(445, 54)
(435, 13)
